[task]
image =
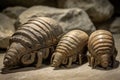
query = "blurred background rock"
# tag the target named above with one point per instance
(87, 15)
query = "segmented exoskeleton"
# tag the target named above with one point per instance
(32, 41)
(70, 48)
(102, 49)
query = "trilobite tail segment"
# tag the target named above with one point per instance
(69, 47)
(102, 49)
(36, 34)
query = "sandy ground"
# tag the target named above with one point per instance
(83, 72)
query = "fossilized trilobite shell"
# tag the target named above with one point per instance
(36, 34)
(72, 43)
(40, 31)
(101, 42)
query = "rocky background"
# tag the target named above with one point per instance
(87, 15)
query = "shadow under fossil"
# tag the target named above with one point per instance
(74, 65)
(62, 67)
(30, 67)
(116, 65)
(45, 65)
(21, 69)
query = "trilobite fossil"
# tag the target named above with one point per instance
(32, 40)
(70, 48)
(102, 51)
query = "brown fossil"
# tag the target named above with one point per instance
(70, 48)
(32, 41)
(102, 51)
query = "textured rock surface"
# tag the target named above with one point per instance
(6, 30)
(98, 10)
(115, 25)
(14, 12)
(83, 72)
(68, 18)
